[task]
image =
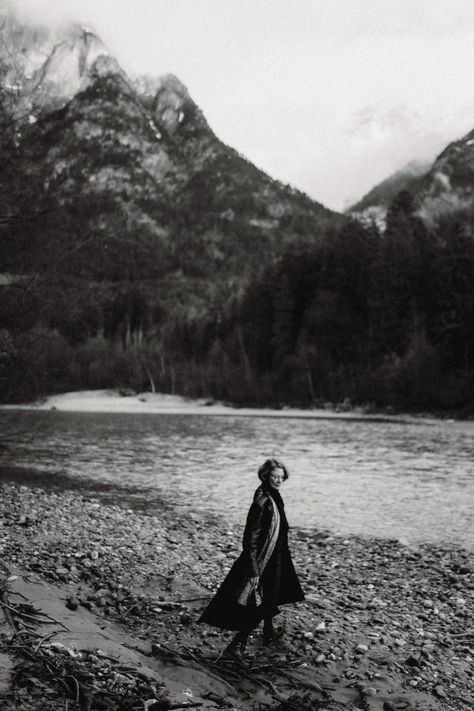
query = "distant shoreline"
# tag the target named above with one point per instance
(112, 401)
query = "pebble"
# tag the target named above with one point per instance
(185, 618)
(72, 603)
(369, 691)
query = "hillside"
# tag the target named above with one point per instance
(375, 203)
(138, 169)
(449, 184)
(444, 187)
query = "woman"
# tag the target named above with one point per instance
(263, 576)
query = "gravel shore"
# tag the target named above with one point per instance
(384, 626)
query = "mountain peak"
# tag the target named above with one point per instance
(169, 101)
(151, 85)
(51, 68)
(172, 102)
(73, 62)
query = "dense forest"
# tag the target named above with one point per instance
(355, 316)
(288, 310)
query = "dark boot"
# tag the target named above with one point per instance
(235, 650)
(271, 633)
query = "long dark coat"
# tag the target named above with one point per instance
(279, 582)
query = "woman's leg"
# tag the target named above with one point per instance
(239, 641)
(268, 627)
(238, 644)
(236, 647)
(270, 593)
(270, 634)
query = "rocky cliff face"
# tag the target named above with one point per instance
(169, 102)
(46, 70)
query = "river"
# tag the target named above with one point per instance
(410, 480)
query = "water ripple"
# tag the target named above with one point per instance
(404, 480)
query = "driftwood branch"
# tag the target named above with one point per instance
(194, 599)
(7, 612)
(466, 633)
(44, 619)
(43, 639)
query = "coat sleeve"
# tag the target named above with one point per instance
(253, 528)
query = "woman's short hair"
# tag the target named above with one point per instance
(268, 466)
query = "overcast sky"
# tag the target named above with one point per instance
(331, 96)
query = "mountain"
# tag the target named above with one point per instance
(376, 201)
(137, 169)
(445, 186)
(45, 69)
(449, 184)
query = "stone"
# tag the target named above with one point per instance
(369, 691)
(400, 642)
(72, 603)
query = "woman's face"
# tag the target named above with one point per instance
(276, 477)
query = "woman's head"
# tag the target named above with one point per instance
(273, 473)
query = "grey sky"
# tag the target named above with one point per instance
(331, 96)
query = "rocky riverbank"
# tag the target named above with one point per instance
(384, 626)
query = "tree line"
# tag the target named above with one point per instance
(357, 316)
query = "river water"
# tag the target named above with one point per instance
(410, 480)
